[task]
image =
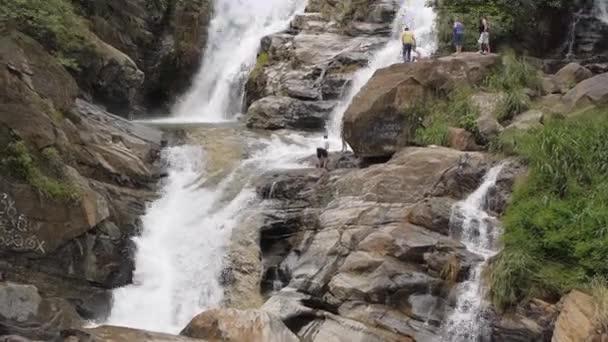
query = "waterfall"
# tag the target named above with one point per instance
(186, 231)
(479, 232)
(234, 39)
(602, 10)
(420, 19)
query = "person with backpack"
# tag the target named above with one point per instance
(409, 41)
(458, 36)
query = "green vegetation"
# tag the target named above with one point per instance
(511, 79)
(53, 23)
(509, 268)
(512, 22)
(262, 60)
(558, 217)
(456, 110)
(17, 161)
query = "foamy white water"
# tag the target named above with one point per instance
(419, 18)
(602, 9)
(479, 232)
(234, 40)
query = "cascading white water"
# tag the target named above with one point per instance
(420, 19)
(180, 254)
(186, 232)
(602, 9)
(234, 39)
(479, 232)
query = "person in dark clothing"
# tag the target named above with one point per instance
(458, 36)
(323, 154)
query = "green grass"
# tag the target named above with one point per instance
(53, 23)
(456, 110)
(512, 268)
(514, 74)
(558, 216)
(18, 162)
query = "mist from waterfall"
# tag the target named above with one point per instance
(479, 231)
(420, 19)
(235, 33)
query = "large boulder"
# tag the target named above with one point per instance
(592, 91)
(276, 112)
(576, 322)
(233, 325)
(383, 116)
(571, 74)
(24, 312)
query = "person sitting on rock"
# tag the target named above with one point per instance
(322, 154)
(409, 41)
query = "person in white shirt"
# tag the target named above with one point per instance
(323, 154)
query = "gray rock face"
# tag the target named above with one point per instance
(363, 253)
(592, 91)
(275, 112)
(316, 59)
(24, 313)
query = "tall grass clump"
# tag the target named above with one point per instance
(599, 291)
(559, 213)
(513, 276)
(456, 110)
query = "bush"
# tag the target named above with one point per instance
(52, 23)
(456, 110)
(514, 75)
(513, 276)
(18, 162)
(599, 291)
(512, 103)
(559, 214)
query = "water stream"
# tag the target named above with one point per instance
(602, 10)
(479, 231)
(186, 232)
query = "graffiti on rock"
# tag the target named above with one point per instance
(15, 229)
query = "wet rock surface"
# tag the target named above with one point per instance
(74, 180)
(363, 253)
(314, 62)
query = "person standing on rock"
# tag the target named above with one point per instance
(409, 41)
(323, 154)
(458, 35)
(484, 36)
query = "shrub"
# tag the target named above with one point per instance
(513, 75)
(18, 162)
(456, 110)
(512, 277)
(559, 213)
(53, 23)
(512, 103)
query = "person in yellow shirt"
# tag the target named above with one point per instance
(409, 41)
